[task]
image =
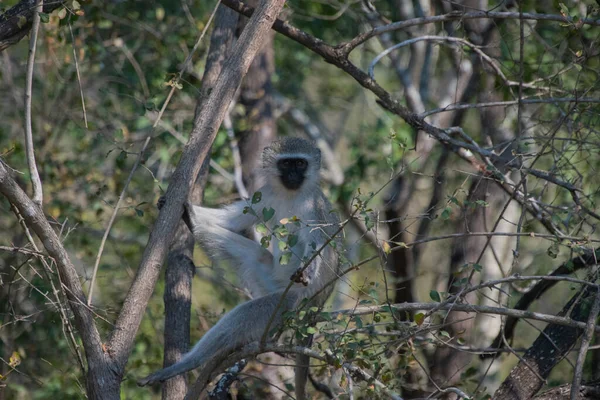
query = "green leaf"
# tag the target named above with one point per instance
(285, 258)
(419, 318)
(311, 330)
(369, 222)
(553, 250)
(256, 197)
(139, 212)
(75, 5)
(261, 228)
(282, 245)
(62, 13)
(477, 267)
(563, 9)
(21, 22)
(435, 296)
(268, 213)
(446, 213)
(570, 266)
(292, 240)
(44, 18)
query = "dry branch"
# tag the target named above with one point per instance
(98, 361)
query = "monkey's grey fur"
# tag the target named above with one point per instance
(219, 232)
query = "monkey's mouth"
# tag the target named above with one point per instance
(292, 181)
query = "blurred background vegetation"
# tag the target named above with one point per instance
(118, 57)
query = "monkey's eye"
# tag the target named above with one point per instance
(286, 163)
(301, 163)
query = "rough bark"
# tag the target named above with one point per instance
(180, 266)
(587, 392)
(550, 347)
(15, 23)
(194, 153)
(400, 260)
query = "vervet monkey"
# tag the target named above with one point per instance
(291, 171)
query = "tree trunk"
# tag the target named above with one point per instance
(180, 266)
(550, 347)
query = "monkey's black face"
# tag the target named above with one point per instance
(292, 172)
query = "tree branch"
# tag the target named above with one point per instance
(36, 183)
(201, 138)
(17, 21)
(98, 362)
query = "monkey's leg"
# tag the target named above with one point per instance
(253, 262)
(242, 325)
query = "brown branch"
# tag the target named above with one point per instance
(36, 183)
(404, 307)
(201, 138)
(338, 56)
(98, 361)
(585, 345)
(457, 16)
(180, 267)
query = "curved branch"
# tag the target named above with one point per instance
(98, 360)
(459, 16)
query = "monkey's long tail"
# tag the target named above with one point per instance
(242, 325)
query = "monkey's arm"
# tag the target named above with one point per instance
(242, 325)
(253, 262)
(230, 217)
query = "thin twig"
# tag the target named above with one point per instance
(585, 343)
(549, 100)
(78, 76)
(38, 195)
(550, 319)
(456, 16)
(185, 65)
(112, 219)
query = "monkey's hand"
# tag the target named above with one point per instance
(306, 274)
(301, 276)
(161, 202)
